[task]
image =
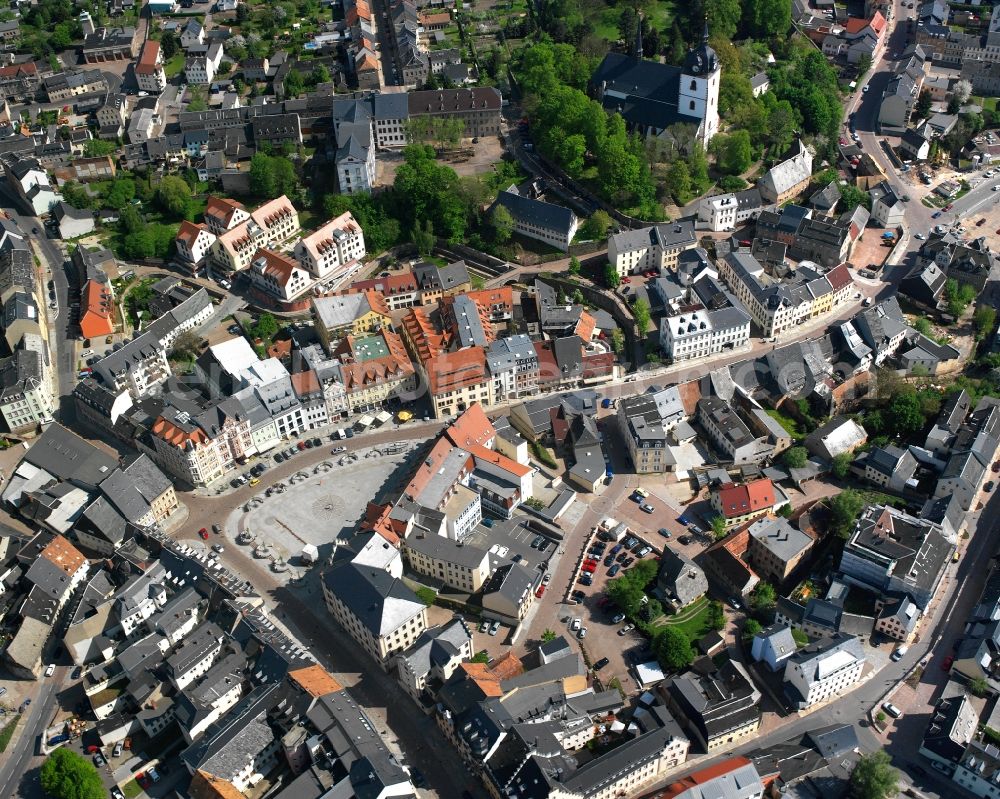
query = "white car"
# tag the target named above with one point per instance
(921, 236)
(50, 669)
(865, 89)
(575, 625)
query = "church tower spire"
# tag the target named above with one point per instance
(699, 87)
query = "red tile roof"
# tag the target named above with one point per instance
(222, 208)
(472, 428)
(306, 383)
(96, 310)
(519, 470)
(188, 232)
(701, 777)
(453, 371)
(739, 500)
(147, 58)
(839, 277)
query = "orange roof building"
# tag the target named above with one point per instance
(222, 214)
(96, 310)
(64, 556)
(458, 379)
(315, 681)
(422, 336)
(738, 504)
(472, 428)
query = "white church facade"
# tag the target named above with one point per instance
(652, 96)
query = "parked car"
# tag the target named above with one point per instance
(203, 533)
(664, 532)
(77, 673)
(50, 669)
(899, 654)
(892, 710)
(99, 759)
(575, 624)
(618, 618)
(614, 570)
(626, 629)
(117, 752)
(494, 628)
(600, 664)
(578, 595)
(582, 634)
(989, 486)
(609, 560)
(218, 548)
(647, 507)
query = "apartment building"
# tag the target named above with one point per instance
(194, 242)
(776, 549)
(535, 219)
(823, 670)
(441, 483)
(655, 248)
(67, 85)
(700, 333)
(222, 214)
(26, 398)
(513, 364)
(333, 252)
(729, 433)
(374, 369)
(458, 379)
(719, 709)
(739, 504)
(376, 609)
(644, 433)
(349, 314)
(149, 72)
(463, 567)
(278, 276)
(271, 224)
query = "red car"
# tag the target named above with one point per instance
(626, 280)
(590, 567)
(946, 663)
(539, 592)
(949, 206)
(203, 532)
(301, 445)
(995, 467)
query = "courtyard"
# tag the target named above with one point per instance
(316, 505)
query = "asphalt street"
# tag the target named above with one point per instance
(17, 780)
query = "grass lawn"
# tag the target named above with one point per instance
(8, 732)
(131, 789)
(792, 427)
(174, 66)
(692, 620)
(989, 103)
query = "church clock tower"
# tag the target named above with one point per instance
(699, 90)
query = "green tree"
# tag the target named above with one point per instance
(719, 527)
(796, 457)
(629, 590)
(168, 44)
(841, 465)
(67, 775)
(121, 193)
(574, 265)
(764, 597)
(425, 190)
(503, 224)
(904, 413)
(716, 616)
(266, 327)
(979, 687)
(641, 312)
(319, 74)
(173, 195)
(673, 649)
(845, 508)
(676, 48)
(874, 777)
(678, 182)
(723, 17)
(736, 154)
(548, 635)
(750, 628)
(196, 100)
(578, 297)
(922, 108)
(423, 237)
(597, 225)
(611, 276)
(985, 320)
(617, 341)
(851, 197)
(864, 64)
(295, 84)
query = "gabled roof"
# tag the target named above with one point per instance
(738, 500)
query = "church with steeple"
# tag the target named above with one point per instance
(652, 96)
